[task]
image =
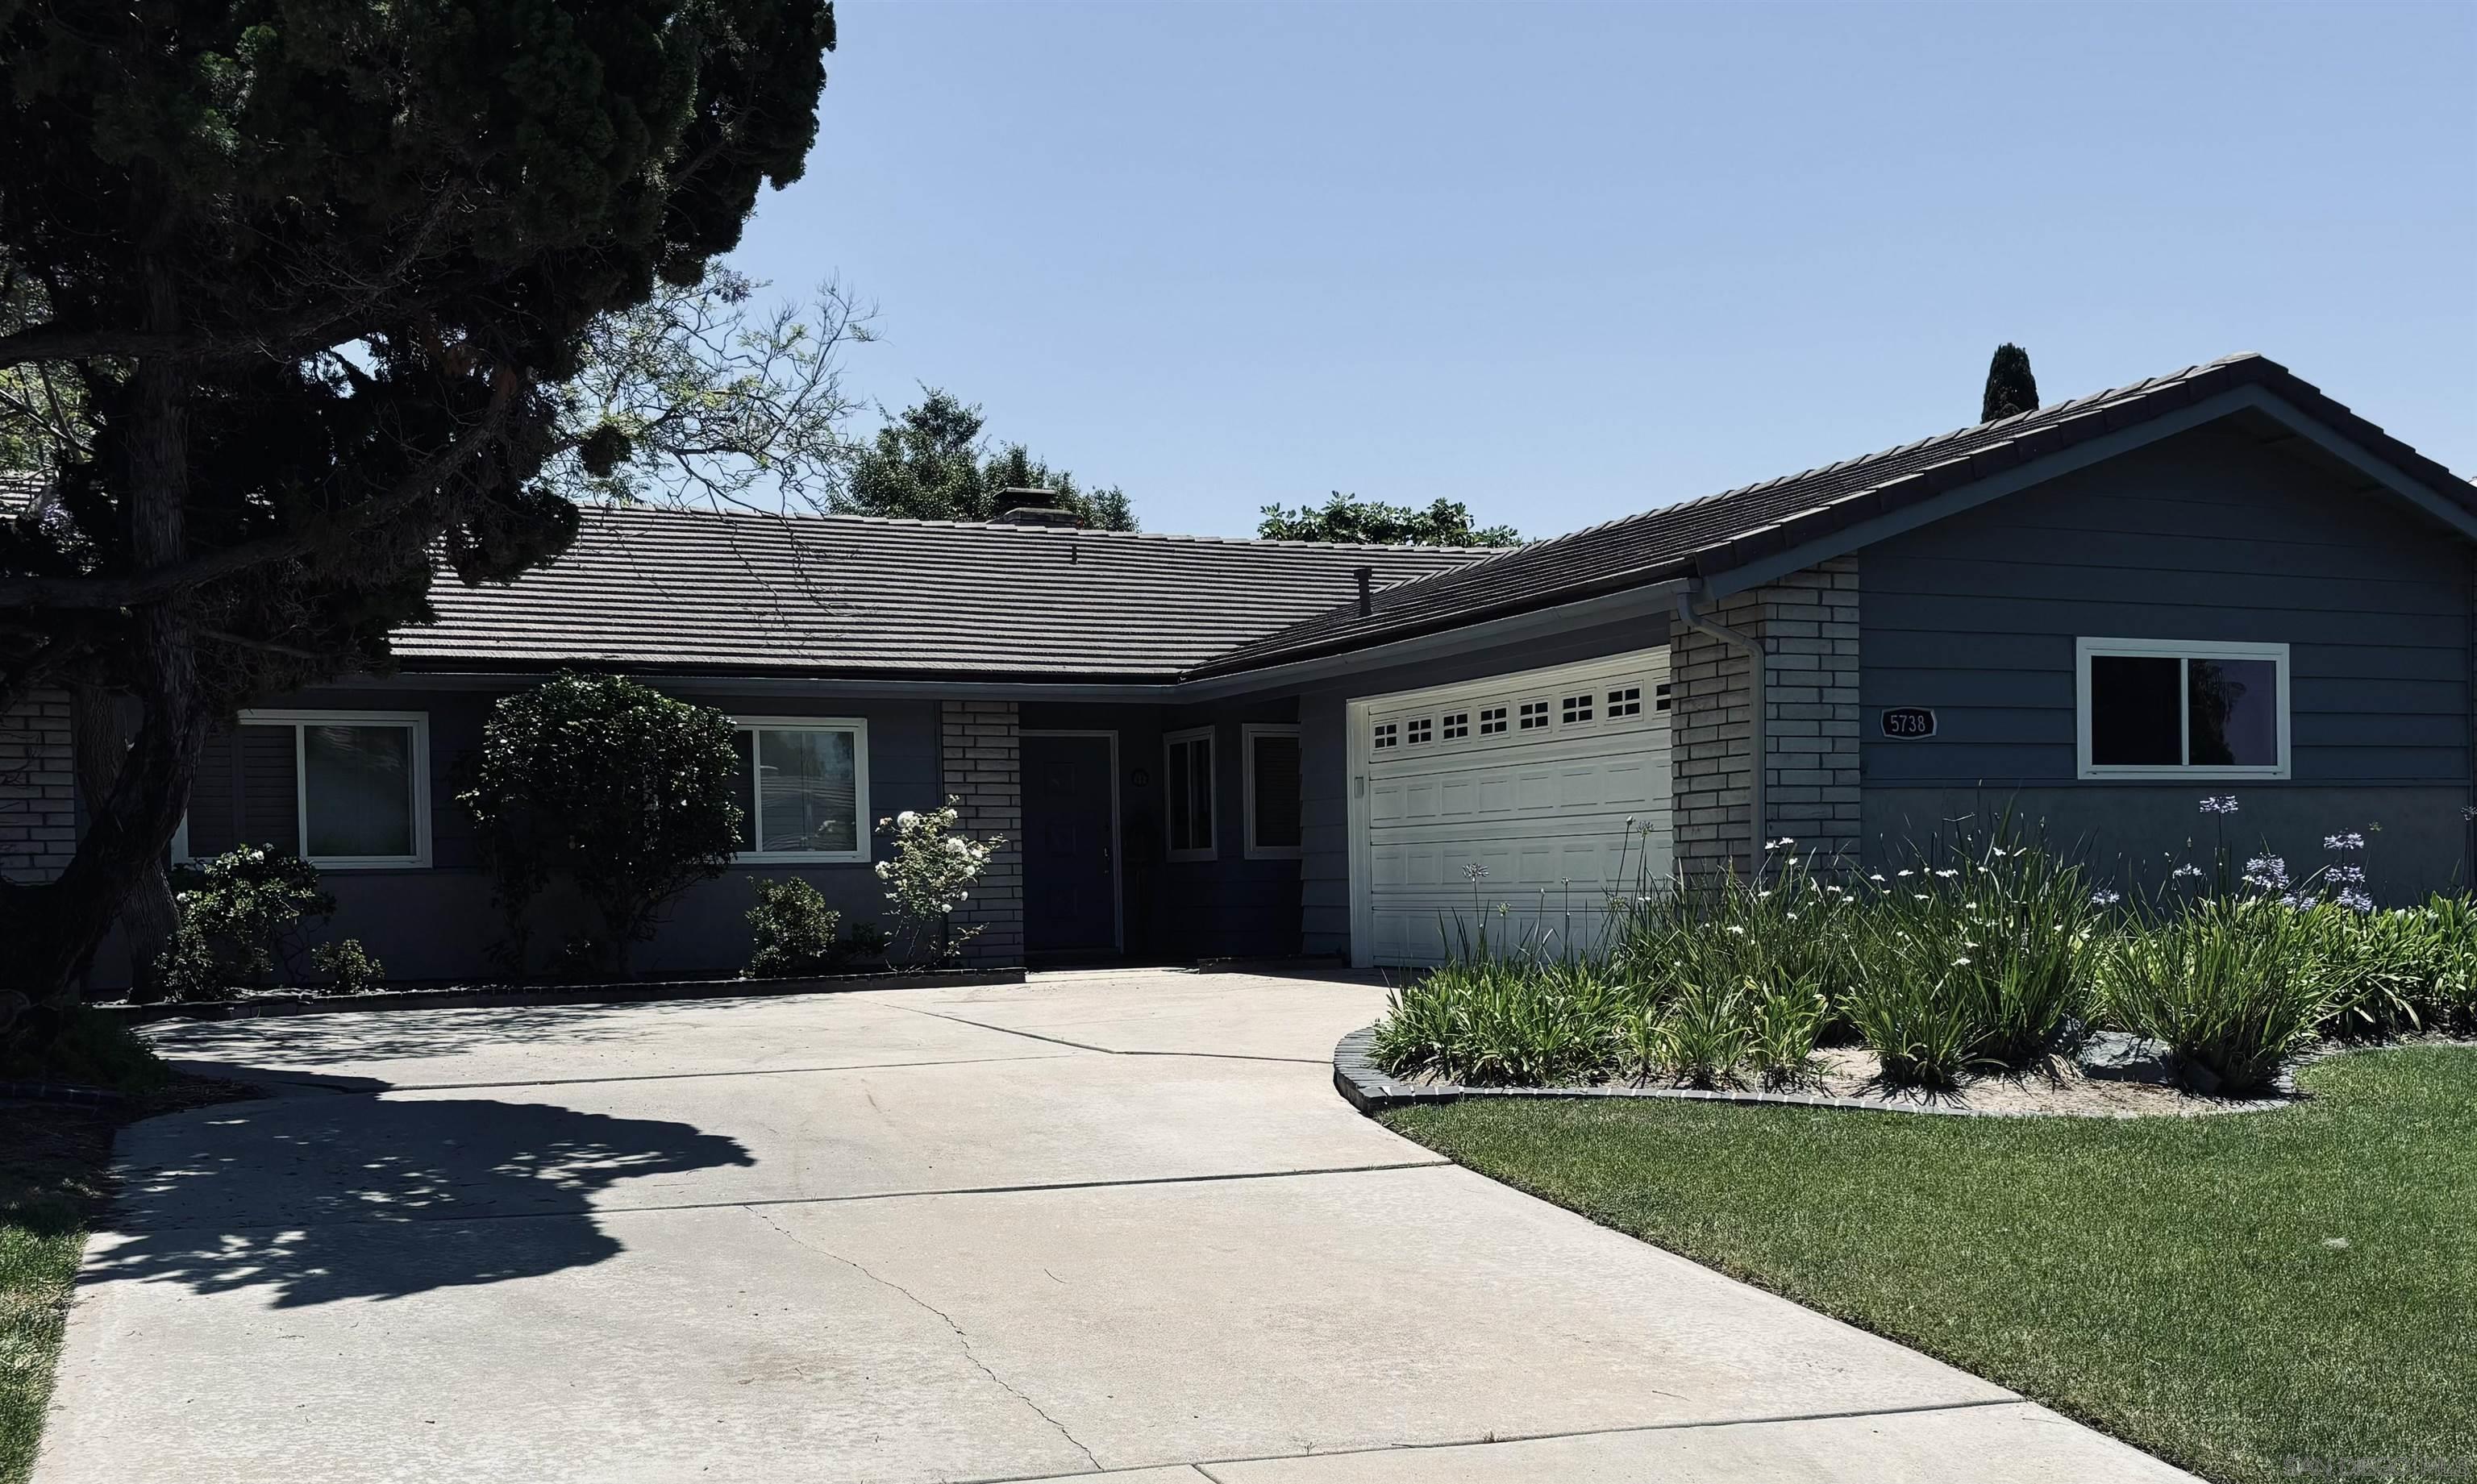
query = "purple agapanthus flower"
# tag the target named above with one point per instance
(2267, 873)
(2224, 803)
(2356, 900)
(2351, 841)
(2347, 875)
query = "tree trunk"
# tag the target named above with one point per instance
(99, 731)
(59, 924)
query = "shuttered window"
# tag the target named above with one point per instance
(1273, 776)
(342, 789)
(802, 788)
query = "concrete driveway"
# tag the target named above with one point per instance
(1102, 1224)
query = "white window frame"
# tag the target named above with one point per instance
(863, 826)
(1248, 732)
(416, 722)
(2175, 649)
(1212, 848)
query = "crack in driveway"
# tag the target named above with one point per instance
(963, 1341)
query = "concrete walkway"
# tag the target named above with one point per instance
(1099, 1225)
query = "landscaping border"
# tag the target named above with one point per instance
(1369, 1089)
(496, 996)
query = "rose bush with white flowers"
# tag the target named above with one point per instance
(929, 874)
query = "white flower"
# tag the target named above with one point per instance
(1960, 963)
(906, 819)
(1947, 873)
(1740, 931)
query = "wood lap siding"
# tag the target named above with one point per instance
(2208, 535)
(245, 793)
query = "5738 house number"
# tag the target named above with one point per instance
(1909, 721)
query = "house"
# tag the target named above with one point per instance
(2090, 617)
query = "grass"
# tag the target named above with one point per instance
(52, 1183)
(2180, 1283)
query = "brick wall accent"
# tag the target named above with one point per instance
(37, 802)
(980, 764)
(1807, 624)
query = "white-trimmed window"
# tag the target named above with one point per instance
(2181, 709)
(1273, 776)
(1186, 786)
(804, 789)
(344, 790)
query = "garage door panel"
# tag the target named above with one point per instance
(1559, 814)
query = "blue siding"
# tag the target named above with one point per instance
(1180, 912)
(439, 924)
(2208, 536)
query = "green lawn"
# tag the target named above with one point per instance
(51, 1163)
(2257, 1296)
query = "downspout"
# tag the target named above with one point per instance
(1757, 705)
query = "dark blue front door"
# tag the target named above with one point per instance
(1070, 848)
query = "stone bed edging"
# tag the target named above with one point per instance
(496, 996)
(1371, 1090)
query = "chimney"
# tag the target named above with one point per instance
(1032, 507)
(1366, 591)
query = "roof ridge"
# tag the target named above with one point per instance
(1009, 528)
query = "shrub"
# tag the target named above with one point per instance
(1499, 1021)
(620, 789)
(796, 935)
(928, 876)
(92, 1049)
(350, 968)
(2229, 986)
(1782, 1033)
(242, 915)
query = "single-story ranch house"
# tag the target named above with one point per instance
(2218, 581)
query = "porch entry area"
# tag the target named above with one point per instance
(1072, 897)
(1518, 804)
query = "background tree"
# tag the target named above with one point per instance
(610, 784)
(1346, 518)
(316, 272)
(701, 395)
(932, 464)
(2011, 388)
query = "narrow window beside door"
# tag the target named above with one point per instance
(1186, 780)
(1272, 791)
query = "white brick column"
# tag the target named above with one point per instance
(37, 801)
(981, 765)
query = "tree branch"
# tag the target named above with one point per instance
(162, 583)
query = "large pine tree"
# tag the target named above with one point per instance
(316, 271)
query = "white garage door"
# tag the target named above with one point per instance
(1523, 781)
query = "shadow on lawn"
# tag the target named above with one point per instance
(323, 1198)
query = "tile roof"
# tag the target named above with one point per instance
(755, 594)
(1713, 535)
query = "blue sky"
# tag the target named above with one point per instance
(1568, 262)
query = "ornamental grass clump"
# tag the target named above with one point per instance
(2228, 985)
(1977, 956)
(1505, 1023)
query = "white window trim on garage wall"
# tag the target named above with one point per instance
(2174, 649)
(1248, 732)
(864, 825)
(1211, 849)
(416, 722)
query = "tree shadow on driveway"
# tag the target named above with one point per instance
(322, 1199)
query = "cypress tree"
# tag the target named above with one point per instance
(2009, 387)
